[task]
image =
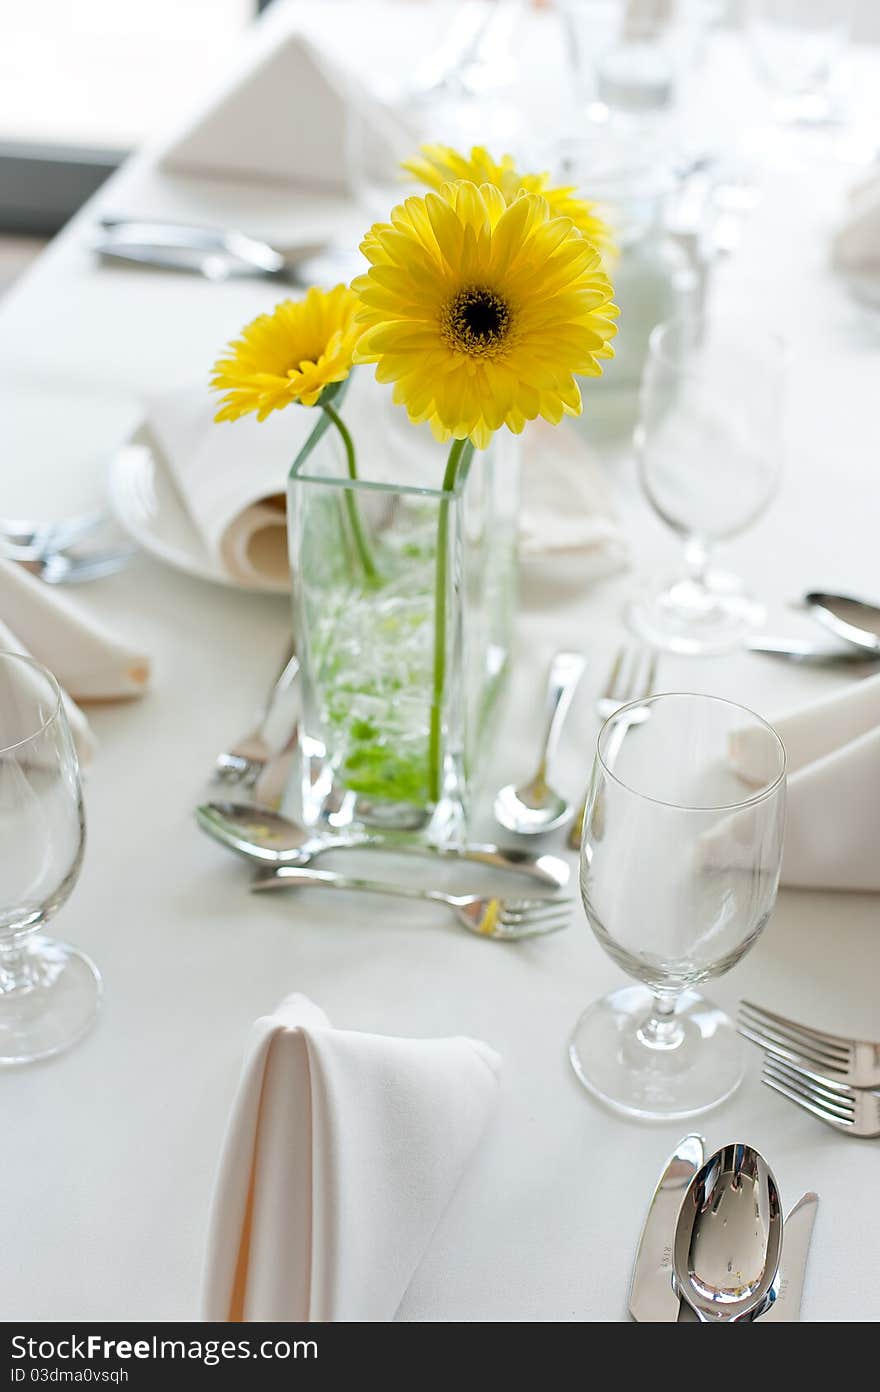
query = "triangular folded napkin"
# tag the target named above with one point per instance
(90, 662)
(833, 809)
(856, 243)
(293, 116)
(342, 1152)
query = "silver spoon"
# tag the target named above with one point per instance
(535, 806)
(259, 834)
(728, 1238)
(853, 620)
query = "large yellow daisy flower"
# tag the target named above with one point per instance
(440, 164)
(289, 355)
(482, 314)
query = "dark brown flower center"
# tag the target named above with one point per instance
(476, 321)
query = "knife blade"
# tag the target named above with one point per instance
(799, 650)
(796, 1234)
(651, 1296)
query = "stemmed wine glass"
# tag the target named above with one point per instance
(709, 442)
(798, 47)
(49, 992)
(679, 870)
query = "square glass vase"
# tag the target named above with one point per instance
(404, 599)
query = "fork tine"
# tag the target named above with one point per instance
(513, 909)
(840, 1110)
(609, 694)
(529, 929)
(651, 674)
(838, 1094)
(783, 1048)
(532, 920)
(799, 1101)
(831, 1042)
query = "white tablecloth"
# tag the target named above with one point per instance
(109, 1152)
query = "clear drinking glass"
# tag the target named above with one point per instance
(709, 442)
(798, 47)
(679, 871)
(49, 992)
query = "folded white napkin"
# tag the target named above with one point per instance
(855, 246)
(90, 662)
(833, 810)
(566, 503)
(292, 115)
(232, 477)
(83, 737)
(343, 1151)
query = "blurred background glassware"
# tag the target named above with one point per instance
(679, 872)
(49, 992)
(627, 57)
(709, 443)
(655, 279)
(798, 47)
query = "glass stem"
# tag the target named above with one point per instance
(696, 559)
(13, 965)
(661, 1030)
(354, 517)
(459, 454)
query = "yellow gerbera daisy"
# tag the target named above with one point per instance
(440, 164)
(289, 355)
(482, 314)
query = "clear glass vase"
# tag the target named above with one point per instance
(404, 598)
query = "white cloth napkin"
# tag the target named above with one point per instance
(566, 502)
(232, 478)
(292, 115)
(81, 730)
(343, 1151)
(833, 810)
(855, 246)
(90, 662)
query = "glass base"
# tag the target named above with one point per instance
(54, 1005)
(698, 1066)
(683, 615)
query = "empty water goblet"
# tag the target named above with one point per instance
(679, 871)
(709, 445)
(49, 992)
(798, 47)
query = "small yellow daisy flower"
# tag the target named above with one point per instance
(440, 164)
(483, 314)
(289, 355)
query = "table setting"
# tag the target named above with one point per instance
(421, 369)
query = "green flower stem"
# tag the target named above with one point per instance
(351, 503)
(459, 455)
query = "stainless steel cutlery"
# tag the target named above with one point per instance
(852, 1110)
(835, 1078)
(263, 836)
(633, 677)
(505, 920)
(46, 549)
(653, 1294)
(246, 758)
(854, 622)
(216, 253)
(843, 1060)
(534, 807)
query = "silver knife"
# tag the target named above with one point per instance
(215, 252)
(651, 1296)
(796, 1234)
(800, 650)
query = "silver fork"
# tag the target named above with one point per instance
(505, 920)
(832, 1056)
(242, 764)
(856, 1110)
(632, 677)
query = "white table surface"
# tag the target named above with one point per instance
(109, 1152)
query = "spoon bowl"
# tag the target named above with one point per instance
(265, 836)
(854, 620)
(531, 809)
(728, 1238)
